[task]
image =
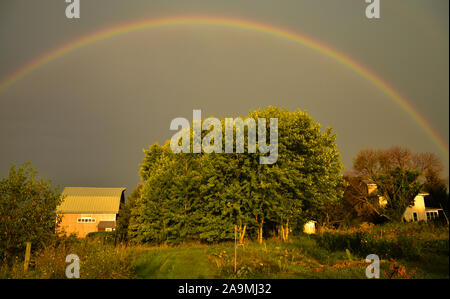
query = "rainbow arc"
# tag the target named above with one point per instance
(300, 39)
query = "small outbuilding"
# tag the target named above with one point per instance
(87, 209)
(310, 227)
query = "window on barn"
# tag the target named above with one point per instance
(415, 216)
(86, 220)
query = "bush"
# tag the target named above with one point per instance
(103, 237)
(407, 241)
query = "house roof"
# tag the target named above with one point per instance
(88, 200)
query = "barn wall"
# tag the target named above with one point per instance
(70, 225)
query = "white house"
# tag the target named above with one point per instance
(419, 212)
(416, 212)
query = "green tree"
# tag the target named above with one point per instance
(190, 196)
(399, 187)
(124, 217)
(27, 211)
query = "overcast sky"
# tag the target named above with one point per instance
(84, 118)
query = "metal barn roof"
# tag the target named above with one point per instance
(88, 200)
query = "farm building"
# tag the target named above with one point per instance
(309, 227)
(86, 209)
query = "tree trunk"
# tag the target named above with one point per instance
(282, 233)
(242, 234)
(287, 229)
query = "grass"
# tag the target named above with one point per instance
(274, 259)
(180, 263)
(304, 256)
(299, 259)
(97, 261)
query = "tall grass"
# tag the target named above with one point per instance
(407, 251)
(97, 260)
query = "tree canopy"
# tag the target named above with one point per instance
(202, 196)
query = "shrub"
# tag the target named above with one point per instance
(389, 241)
(103, 237)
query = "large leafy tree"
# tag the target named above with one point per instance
(205, 195)
(27, 211)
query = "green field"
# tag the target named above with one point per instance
(189, 262)
(406, 251)
(301, 258)
(255, 261)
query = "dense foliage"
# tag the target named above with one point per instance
(27, 212)
(203, 196)
(393, 240)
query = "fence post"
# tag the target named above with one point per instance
(27, 256)
(235, 247)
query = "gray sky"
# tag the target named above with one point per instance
(84, 118)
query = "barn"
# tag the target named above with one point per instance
(87, 209)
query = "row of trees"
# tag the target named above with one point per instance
(203, 196)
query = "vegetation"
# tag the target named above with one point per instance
(184, 219)
(335, 254)
(399, 175)
(27, 212)
(203, 196)
(389, 241)
(98, 260)
(123, 220)
(305, 256)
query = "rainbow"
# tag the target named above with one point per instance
(301, 39)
